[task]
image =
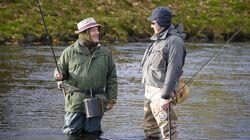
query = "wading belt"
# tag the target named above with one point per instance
(92, 91)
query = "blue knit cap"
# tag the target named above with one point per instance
(162, 15)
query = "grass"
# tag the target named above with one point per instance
(121, 19)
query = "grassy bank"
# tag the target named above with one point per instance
(122, 20)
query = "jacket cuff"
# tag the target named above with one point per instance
(165, 96)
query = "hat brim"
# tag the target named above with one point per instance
(79, 31)
(151, 18)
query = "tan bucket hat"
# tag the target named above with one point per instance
(86, 24)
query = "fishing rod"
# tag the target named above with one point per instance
(197, 74)
(48, 35)
(60, 85)
(183, 94)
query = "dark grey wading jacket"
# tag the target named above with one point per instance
(163, 60)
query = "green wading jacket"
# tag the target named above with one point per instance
(84, 70)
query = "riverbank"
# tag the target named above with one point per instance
(122, 21)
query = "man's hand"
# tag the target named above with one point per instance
(110, 106)
(164, 103)
(111, 103)
(59, 76)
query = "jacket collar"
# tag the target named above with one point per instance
(83, 49)
(160, 36)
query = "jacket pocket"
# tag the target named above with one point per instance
(75, 65)
(157, 61)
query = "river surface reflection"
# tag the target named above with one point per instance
(32, 108)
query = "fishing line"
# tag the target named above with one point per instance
(197, 74)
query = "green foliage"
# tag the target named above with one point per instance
(122, 18)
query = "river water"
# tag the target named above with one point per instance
(32, 108)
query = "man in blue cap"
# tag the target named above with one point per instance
(162, 67)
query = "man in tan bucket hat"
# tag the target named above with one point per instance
(86, 69)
